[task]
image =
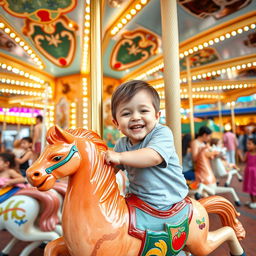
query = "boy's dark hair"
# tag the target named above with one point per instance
(204, 130)
(126, 91)
(39, 117)
(28, 139)
(8, 157)
(214, 141)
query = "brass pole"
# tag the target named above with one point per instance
(96, 67)
(170, 40)
(220, 112)
(190, 97)
(232, 108)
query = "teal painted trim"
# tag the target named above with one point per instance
(72, 151)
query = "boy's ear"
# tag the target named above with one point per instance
(158, 114)
(115, 123)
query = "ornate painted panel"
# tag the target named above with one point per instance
(133, 48)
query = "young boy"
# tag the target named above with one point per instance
(147, 152)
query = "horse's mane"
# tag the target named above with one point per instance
(50, 205)
(52, 137)
(102, 175)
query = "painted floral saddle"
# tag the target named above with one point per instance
(161, 232)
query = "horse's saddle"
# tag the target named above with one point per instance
(161, 232)
(7, 192)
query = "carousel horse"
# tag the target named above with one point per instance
(28, 215)
(206, 179)
(221, 170)
(98, 221)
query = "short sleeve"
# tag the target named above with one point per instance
(162, 142)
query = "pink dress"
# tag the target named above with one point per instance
(249, 185)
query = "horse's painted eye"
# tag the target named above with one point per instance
(57, 158)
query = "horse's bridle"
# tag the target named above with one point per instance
(72, 151)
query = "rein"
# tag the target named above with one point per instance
(72, 151)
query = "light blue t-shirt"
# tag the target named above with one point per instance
(161, 185)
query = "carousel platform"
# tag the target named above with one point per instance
(248, 219)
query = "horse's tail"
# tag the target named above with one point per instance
(49, 207)
(226, 212)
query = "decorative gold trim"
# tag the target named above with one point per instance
(39, 61)
(194, 41)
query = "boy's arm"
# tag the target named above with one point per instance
(141, 158)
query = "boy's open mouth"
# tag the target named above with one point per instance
(136, 127)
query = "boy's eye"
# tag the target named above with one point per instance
(144, 110)
(56, 158)
(125, 114)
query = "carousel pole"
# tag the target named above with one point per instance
(96, 67)
(233, 121)
(4, 121)
(220, 112)
(43, 135)
(32, 116)
(170, 39)
(3, 129)
(18, 123)
(191, 106)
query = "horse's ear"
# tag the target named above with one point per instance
(63, 135)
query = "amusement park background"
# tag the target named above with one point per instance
(63, 60)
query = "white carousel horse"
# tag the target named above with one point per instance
(30, 215)
(221, 171)
(204, 175)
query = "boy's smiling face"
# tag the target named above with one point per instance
(137, 117)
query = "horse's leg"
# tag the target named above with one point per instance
(9, 246)
(229, 190)
(230, 176)
(201, 242)
(56, 247)
(216, 238)
(29, 248)
(240, 178)
(58, 230)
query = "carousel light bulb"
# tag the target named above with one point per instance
(7, 30)
(133, 11)
(137, 6)
(222, 38)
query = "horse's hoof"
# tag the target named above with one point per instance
(238, 255)
(42, 245)
(238, 203)
(226, 184)
(197, 196)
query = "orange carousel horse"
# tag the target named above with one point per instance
(95, 216)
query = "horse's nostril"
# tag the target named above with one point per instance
(37, 174)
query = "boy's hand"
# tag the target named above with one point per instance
(112, 157)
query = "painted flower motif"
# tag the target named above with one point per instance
(53, 40)
(201, 223)
(160, 251)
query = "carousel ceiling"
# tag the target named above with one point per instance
(44, 39)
